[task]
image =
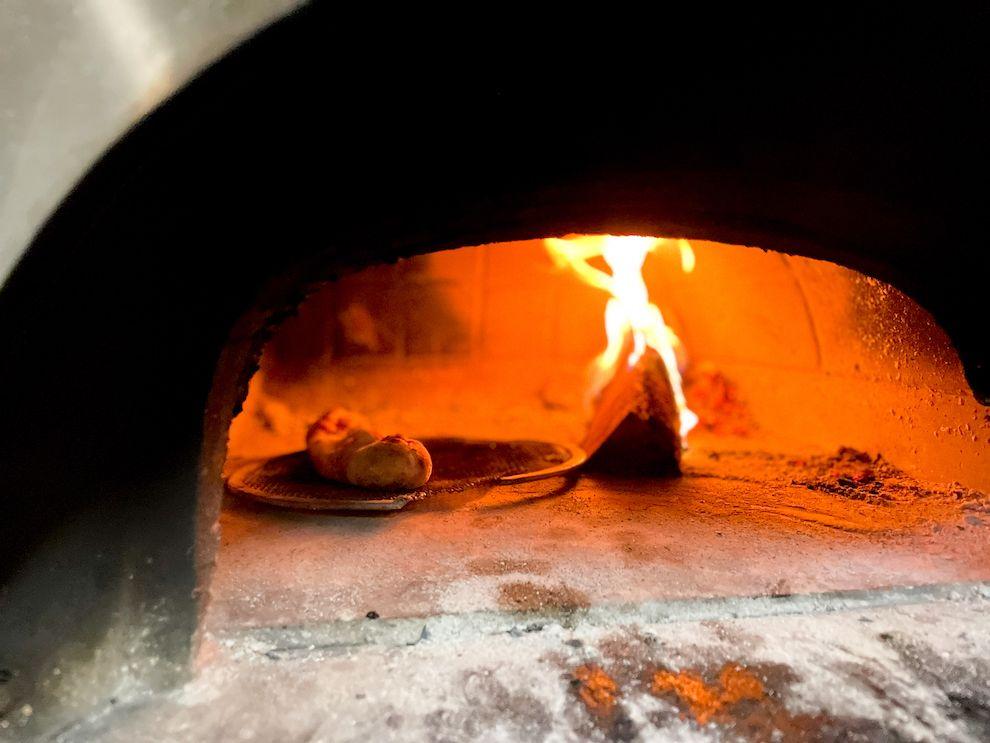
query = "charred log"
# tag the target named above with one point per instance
(635, 425)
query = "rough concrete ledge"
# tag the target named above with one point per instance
(285, 641)
(899, 665)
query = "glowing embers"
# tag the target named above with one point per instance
(630, 317)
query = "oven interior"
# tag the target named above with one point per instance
(837, 446)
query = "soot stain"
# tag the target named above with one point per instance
(527, 596)
(600, 696)
(743, 701)
(963, 682)
(747, 702)
(488, 704)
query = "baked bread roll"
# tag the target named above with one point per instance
(333, 439)
(343, 446)
(394, 463)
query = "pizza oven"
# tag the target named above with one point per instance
(698, 350)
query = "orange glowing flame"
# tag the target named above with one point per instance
(629, 313)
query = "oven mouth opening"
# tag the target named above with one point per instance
(834, 443)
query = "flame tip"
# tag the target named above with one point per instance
(629, 311)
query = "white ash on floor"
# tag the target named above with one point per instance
(912, 671)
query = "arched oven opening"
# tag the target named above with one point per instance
(829, 439)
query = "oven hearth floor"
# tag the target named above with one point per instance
(564, 545)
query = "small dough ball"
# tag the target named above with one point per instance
(333, 439)
(394, 463)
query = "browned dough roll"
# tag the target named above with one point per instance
(342, 446)
(394, 463)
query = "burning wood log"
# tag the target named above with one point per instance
(635, 426)
(640, 413)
